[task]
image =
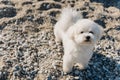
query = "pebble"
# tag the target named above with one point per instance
(76, 78)
(54, 13)
(117, 78)
(77, 72)
(40, 20)
(7, 12)
(47, 6)
(53, 77)
(49, 77)
(35, 64)
(56, 64)
(51, 43)
(57, 0)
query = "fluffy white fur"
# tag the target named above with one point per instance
(78, 36)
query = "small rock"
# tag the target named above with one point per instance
(47, 6)
(53, 77)
(57, 0)
(49, 77)
(76, 78)
(26, 3)
(117, 78)
(35, 64)
(40, 20)
(76, 72)
(7, 2)
(53, 21)
(54, 13)
(7, 12)
(56, 64)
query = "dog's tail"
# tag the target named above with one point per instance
(68, 17)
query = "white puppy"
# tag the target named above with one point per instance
(78, 36)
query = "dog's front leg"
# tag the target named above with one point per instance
(67, 63)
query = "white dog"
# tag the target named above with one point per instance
(78, 36)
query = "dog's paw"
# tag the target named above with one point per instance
(66, 70)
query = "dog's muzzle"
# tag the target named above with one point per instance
(88, 39)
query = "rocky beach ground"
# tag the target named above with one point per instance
(28, 50)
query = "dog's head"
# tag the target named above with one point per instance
(85, 31)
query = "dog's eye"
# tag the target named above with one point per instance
(81, 32)
(91, 32)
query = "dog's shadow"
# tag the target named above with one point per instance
(99, 68)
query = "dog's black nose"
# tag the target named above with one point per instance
(88, 37)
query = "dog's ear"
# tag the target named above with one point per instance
(71, 32)
(100, 32)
